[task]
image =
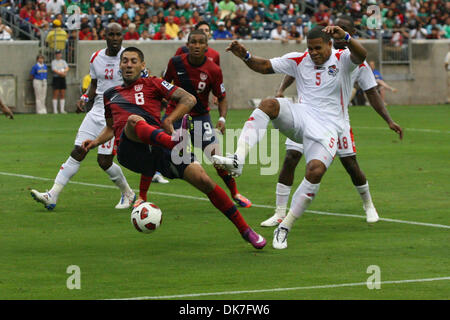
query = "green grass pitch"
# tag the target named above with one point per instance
(198, 251)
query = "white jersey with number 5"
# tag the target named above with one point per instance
(322, 88)
(105, 69)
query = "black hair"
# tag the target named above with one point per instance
(348, 19)
(133, 49)
(317, 32)
(202, 23)
(196, 31)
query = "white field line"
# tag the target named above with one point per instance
(328, 286)
(405, 129)
(254, 205)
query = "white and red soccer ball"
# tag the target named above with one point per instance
(146, 217)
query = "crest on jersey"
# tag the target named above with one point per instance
(333, 70)
(203, 76)
(138, 87)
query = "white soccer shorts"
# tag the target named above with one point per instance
(300, 126)
(90, 128)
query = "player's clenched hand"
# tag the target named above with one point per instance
(395, 127)
(279, 94)
(237, 49)
(335, 32)
(88, 145)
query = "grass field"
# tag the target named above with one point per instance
(197, 253)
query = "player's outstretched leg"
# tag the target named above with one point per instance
(362, 187)
(283, 189)
(232, 186)
(66, 171)
(253, 131)
(196, 175)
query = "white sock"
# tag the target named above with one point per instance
(61, 104)
(116, 175)
(365, 194)
(55, 105)
(301, 200)
(66, 172)
(283, 191)
(252, 132)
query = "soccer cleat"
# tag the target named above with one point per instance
(229, 163)
(126, 201)
(257, 241)
(371, 214)
(138, 202)
(273, 221)
(158, 178)
(242, 201)
(44, 198)
(280, 238)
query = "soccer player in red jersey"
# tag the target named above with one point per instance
(210, 53)
(199, 76)
(143, 142)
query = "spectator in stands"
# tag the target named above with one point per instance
(299, 26)
(97, 8)
(435, 33)
(131, 34)
(221, 33)
(142, 13)
(271, 15)
(195, 18)
(124, 20)
(145, 36)
(5, 31)
(293, 8)
(257, 9)
(294, 34)
(184, 26)
(181, 36)
(126, 9)
(85, 32)
(154, 26)
(257, 24)
(109, 7)
(213, 7)
(242, 30)
(56, 6)
(144, 26)
(4, 108)
(434, 24)
(85, 6)
(57, 37)
(98, 24)
(413, 5)
(171, 27)
(227, 8)
(161, 34)
(322, 15)
(419, 32)
(38, 75)
(26, 13)
(279, 33)
(447, 28)
(60, 69)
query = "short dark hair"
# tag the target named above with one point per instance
(194, 32)
(202, 23)
(347, 19)
(317, 32)
(133, 49)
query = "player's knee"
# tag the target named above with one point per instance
(270, 106)
(315, 169)
(104, 162)
(133, 119)
(78, 153)
(292, 158)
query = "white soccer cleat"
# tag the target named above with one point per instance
(158, 178)
(126, 201)
(371, 214)
(280, 238)
(44, 198)
(229, 163)
(273, 221)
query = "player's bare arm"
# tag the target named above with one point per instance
(185, 102)
(90, 94)
(223, 108)
(285, 83)
(257, 64)
(358, 52)
(104, 136)
(378, 105)
(8, 113)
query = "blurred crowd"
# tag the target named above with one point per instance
(232, 19)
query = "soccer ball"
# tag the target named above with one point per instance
(146, 217)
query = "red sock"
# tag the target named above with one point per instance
(144, 185)
(229, 181)
(221, 201)
(153, 135)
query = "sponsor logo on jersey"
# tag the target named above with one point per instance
(203, 76)
(138, 87)
(167, 85)
(333, 70)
